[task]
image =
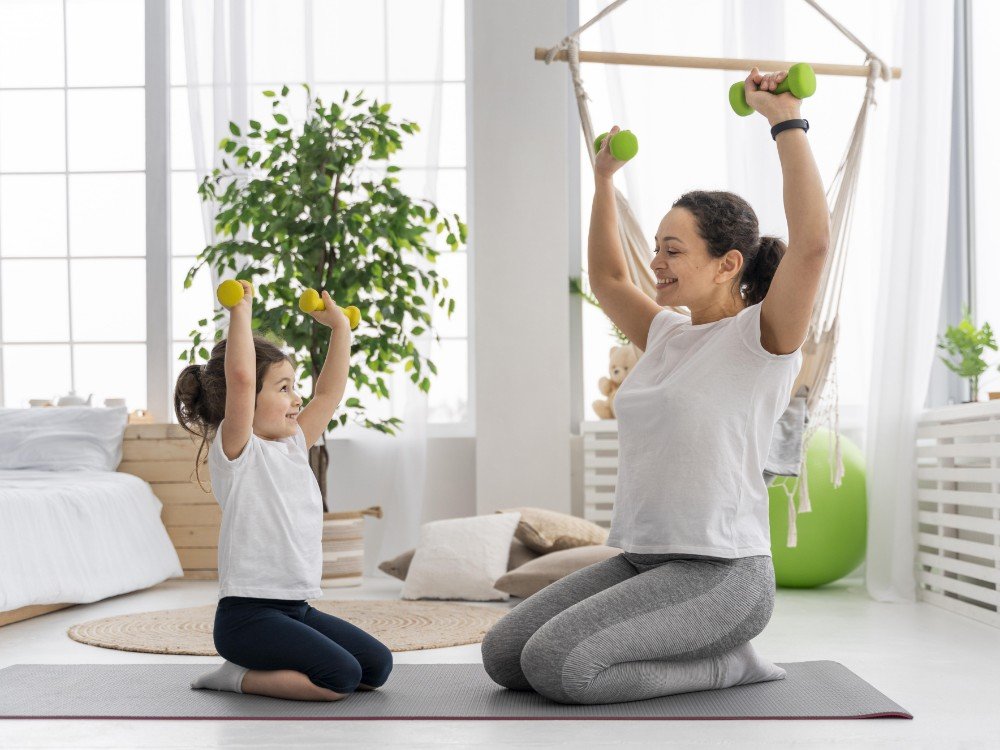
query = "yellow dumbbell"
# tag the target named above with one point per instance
(311, 301)
(230, 292)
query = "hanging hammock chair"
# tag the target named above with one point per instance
(816, 385)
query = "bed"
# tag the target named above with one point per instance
(80, 534)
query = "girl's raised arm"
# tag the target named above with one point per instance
(241, 377)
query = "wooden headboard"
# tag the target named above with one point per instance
(164, 455)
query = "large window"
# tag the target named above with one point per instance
(72, 214)
(72, 167)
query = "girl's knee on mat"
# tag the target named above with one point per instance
(376, 670)
(344, 678)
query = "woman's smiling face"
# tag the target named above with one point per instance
(686, 274)
(277, 403)
(679, 259)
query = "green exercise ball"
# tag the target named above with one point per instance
(832, 536)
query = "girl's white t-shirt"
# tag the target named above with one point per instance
(695, 417)
(271, 538)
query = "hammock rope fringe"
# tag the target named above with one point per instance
(817, 379)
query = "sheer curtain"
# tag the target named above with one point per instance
(366, 467)
(909, 292)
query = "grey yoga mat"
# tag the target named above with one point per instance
(811, 690)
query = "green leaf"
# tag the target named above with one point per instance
(234, 128)
(280, 118)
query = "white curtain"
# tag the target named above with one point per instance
(366, 467)
(909, 293)
(755, 28)
(215, 62)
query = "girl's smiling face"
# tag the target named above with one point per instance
(277, 403)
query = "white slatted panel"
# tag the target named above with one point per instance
(600, 470)
(958, 509)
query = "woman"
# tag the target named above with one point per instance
(676, 610)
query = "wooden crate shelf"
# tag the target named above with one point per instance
(164, 455)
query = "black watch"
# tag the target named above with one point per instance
(787, 125)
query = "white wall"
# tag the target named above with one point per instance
(519, 224)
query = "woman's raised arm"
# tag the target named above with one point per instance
(787, 308)
(628, 306)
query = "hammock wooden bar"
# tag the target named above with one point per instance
(710, 63)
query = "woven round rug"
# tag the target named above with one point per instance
(400, 625)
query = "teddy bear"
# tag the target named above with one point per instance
(622, 360)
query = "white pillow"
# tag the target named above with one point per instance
(62, 438)
(460, 558)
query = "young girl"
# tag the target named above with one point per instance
(675, 611)
(270, 542)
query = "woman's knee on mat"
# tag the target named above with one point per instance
(543, 659)
(501, 649)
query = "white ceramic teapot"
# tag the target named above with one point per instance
(71, 399)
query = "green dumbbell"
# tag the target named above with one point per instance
(800, 81)
(624, 145)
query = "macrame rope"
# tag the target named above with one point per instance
(564, 43)
(877, 63)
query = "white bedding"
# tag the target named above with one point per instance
(79, 536)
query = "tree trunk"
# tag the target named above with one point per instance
(319, 460)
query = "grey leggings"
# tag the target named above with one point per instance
(609, 632)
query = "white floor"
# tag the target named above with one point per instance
(943, 668)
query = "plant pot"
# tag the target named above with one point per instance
(344, 546)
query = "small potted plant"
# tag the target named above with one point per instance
(967, 343)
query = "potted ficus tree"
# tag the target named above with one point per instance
(967, 343)
(309, 206)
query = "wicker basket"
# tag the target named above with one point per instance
(344, 546)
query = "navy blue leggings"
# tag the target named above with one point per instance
(274, 634)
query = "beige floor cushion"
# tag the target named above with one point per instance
(535, 575)
(399, 566)
(547, 531)
(460, 558)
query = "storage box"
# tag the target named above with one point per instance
(344, 546)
